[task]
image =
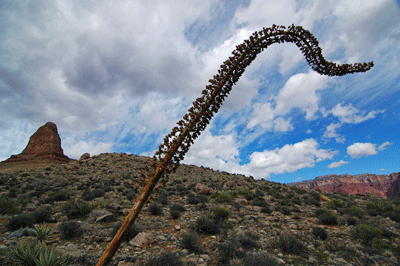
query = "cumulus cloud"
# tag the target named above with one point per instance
(358, 150)
(384, 145)
(289, 158)
(337, 164)
(77, 149)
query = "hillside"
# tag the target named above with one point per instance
(200, 217)
(351, 184)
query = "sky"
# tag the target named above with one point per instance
(116, 76)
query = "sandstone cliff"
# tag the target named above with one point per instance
(44, 144)
(356, 184)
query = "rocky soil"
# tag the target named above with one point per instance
(199, 217)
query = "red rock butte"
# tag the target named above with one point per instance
(44, 144)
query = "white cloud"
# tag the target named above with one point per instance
(349, 115)
(337, 164)
(384, 145)
(77, 149)
(358, 150)
(289, 158)
(330, 132)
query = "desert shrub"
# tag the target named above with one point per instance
(162, 197)
(174, 214)
(20, 221)
(284, 210)
(352, 220)
(76, 208)
(290, 244)
(190, 241)
(42, 215)
(394, 215)
(178, 207)
(320, 233)
(335, 204)
(193, 199)
(366, 233)
(60, 195)
(259, 202)
(97, 193)
(354, 211)
(134, 231)
(70, 229)
(378, 207)
(155, 209)
(248, 240)
(165, 259)
(258, 259)
(220, 213)
(328, 217)
(223, 197)
(88, 195)
(206, 224)
(9, 206)
(266, 209)
(230, 250)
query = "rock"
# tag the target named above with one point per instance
(84, 156)
(105, 218)
(141, 240)
(73, 251)
(114, 208)
(203, 189)
(242, 201)
(44, 144)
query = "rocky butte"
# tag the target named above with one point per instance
(44, 144)
(351, 185)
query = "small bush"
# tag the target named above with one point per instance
(328, 218)
(284, 210)
(42, 215)
(70, 229)
(88, 195)
(206, 224)
(20, 221)
(352, 220)
(178, 207)
(76, 208)
(291, 244)
(174, 214)
(354, 211)
(266, 209)
(163, 197)
(9, 206)
(320, 233)
(223, 198)
(134, 231)
(220, 213)
(258, 259)
(155, 209)
(165, 259)
(97, 193)
(259, 202)
(190, 241)
(366, 233)
(230, 250)
(248, 240)
(60, 195)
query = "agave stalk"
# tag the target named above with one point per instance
(177, 143)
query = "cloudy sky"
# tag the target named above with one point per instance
(115, 76)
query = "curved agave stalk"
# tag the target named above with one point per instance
(177, 143)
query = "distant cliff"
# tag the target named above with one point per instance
(348, 184)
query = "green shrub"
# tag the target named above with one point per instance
(320, 233)
(97, 193)
(248, 240)
(165, 259)
(9, 206)
(259, 202)
(230, 250)
(41, 232)
(266, 209)
(20, 221)
(155, 209)
(258, 259)
(284, 210)
(223, 197)
(76, 208)
(134, 231)
(193, 199)
(352, 220)
(328, 217)
(60, 195)
(35, 254)
(70, 229)
(190, 241)
(88, 195)
(220, 213)
(162, 197)
(354, 211)
(366, 233)
(206, 224)
(174, 214)
(290, 244)
(42, 215)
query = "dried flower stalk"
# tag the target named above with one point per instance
(177, 143)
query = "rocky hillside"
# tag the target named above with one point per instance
(351, 185)
(199, 217)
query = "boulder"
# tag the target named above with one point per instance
(84, 156)
(203, 189)
(141, 240)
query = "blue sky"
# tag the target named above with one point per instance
(115, 76)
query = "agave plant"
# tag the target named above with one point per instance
(177, 143)
(36, 254)
(41, 232)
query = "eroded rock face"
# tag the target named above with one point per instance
(357, 184)
(45, 143)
